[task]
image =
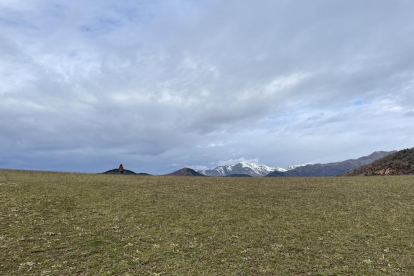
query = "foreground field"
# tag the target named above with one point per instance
(79, 224)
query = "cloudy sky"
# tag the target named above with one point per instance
(158, 85)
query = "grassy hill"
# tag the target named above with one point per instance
(96, 224)
(399, 163)
(116, 171)
(185, 172)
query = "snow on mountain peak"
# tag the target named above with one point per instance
(241, 168)
(295, 166)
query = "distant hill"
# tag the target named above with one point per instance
(331, 169)
(238, 175)
(116, 171)
(251, 169)
(398, 163)
(185, 172)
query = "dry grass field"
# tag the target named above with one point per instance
(82, 224)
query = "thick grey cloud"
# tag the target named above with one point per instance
(157, 85)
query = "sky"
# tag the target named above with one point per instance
(160, 85)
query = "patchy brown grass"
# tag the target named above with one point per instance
(80, 224)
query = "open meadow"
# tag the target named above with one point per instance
(84, 224)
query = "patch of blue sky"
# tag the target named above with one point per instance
(13, 21)
(359, 102)
(101, 26)
(73, 53)
(57, 10)
(130, 13)
(137, 11)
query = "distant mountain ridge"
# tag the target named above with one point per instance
(398, 163)
(331, 169)
(240, 168)
(185, 172)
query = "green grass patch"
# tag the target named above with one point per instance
(80, 224)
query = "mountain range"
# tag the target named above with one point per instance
(393, 162)
(331, 169)
(241, 168)
(398, 163)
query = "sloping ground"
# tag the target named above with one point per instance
(331, 169)
(185, 172)
(399, 163)
(116, 171)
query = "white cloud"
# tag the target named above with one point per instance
(216, 144)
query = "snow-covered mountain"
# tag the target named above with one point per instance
(241, 168)
(295, 166)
